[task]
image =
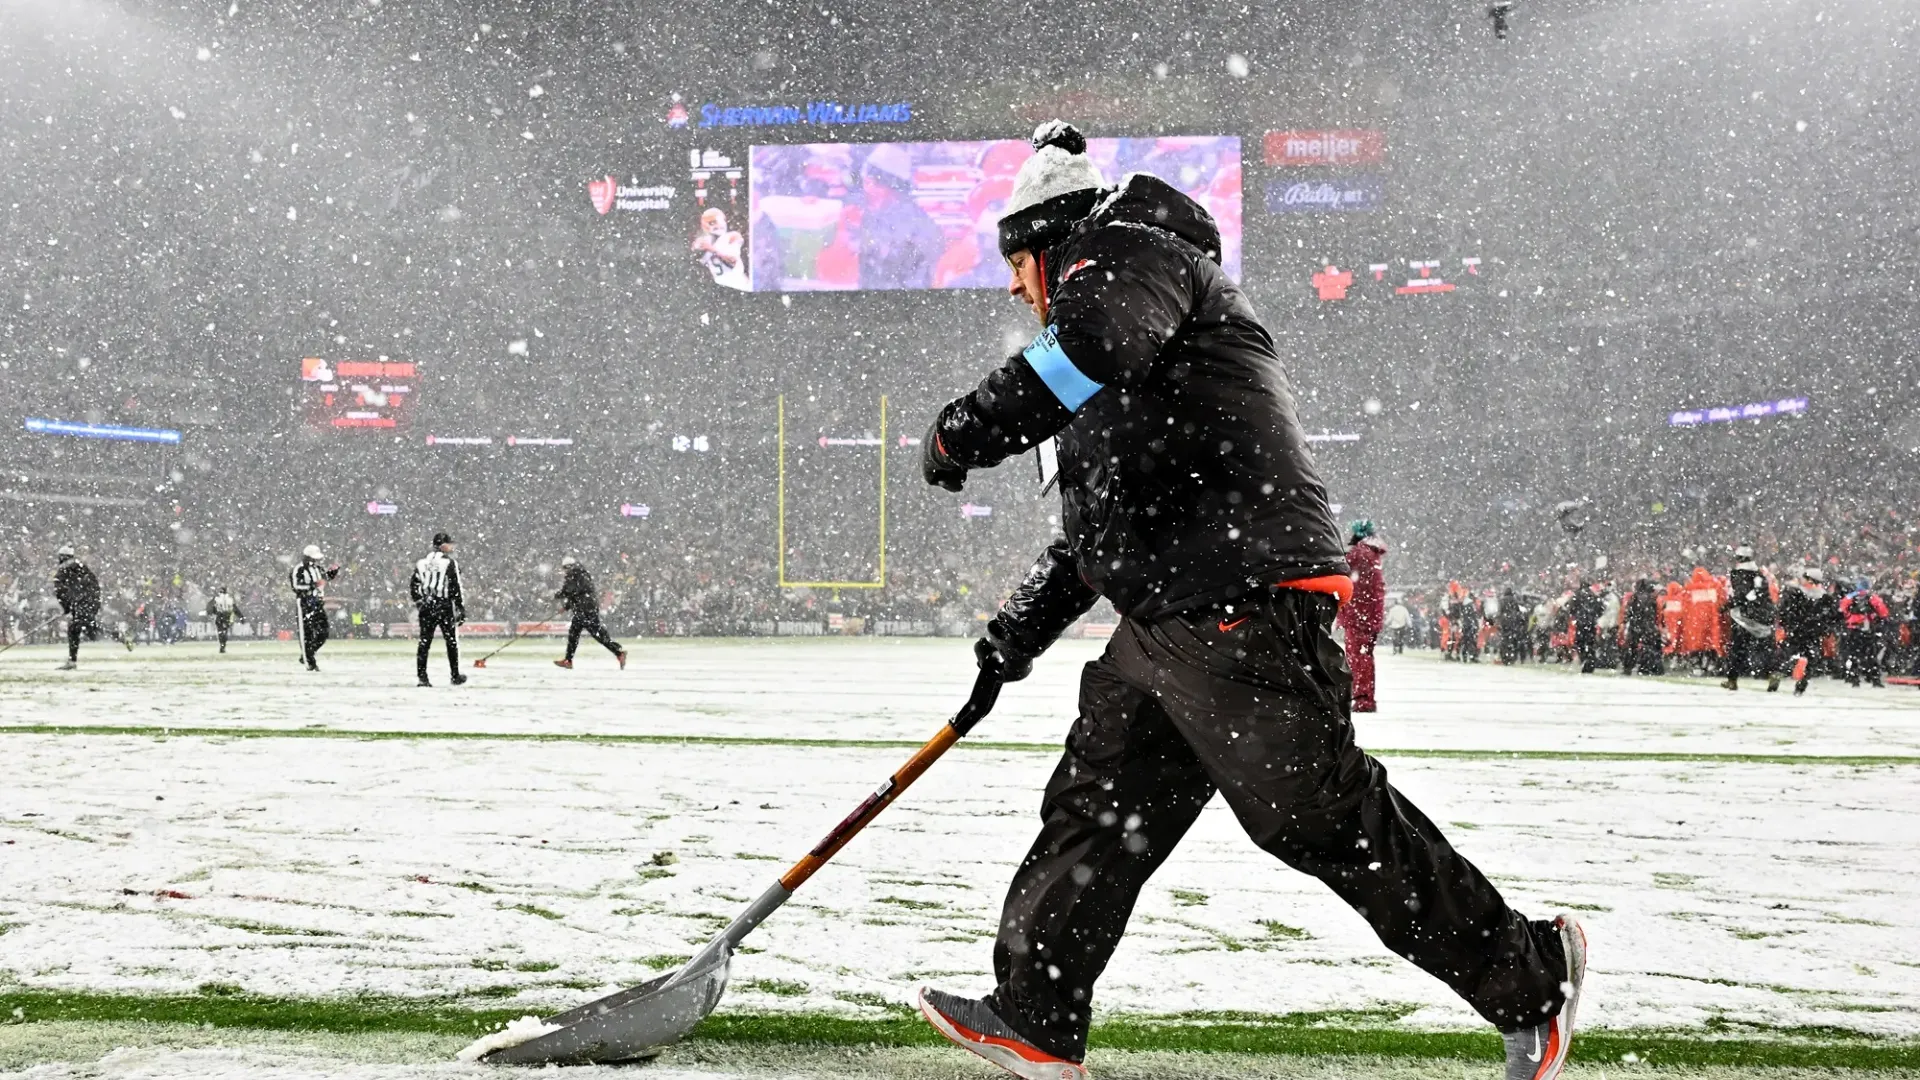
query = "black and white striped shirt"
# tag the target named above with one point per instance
(437, 580)
(310, 581)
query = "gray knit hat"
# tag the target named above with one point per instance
(1054, 189)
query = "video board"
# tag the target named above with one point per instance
(922, 215)
(346, 394)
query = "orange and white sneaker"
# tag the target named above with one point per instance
(568, 664)
(1540, 1052)
(969, 1023)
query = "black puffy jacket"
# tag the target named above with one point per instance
(577, 593)
(1185, 477)
(77, 589)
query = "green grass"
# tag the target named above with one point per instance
(776, 987)
(1340, 1034)
(154, 731)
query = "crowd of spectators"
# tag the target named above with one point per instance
(1862, 569)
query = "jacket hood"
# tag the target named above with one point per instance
(1145, 199)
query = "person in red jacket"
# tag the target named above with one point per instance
(1673, 608)
(1700, 622)
(1865, 616)
(1363, 615)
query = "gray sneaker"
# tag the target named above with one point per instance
(972, 1025)
(1540, 1052)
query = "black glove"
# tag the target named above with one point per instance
(996, 654)
(939, 470)
(459, 616)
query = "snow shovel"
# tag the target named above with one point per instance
(640, 1022)
(30, 633)
(517, 635)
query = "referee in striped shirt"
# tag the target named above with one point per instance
(436, 594)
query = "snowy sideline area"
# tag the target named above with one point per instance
(1762, 893)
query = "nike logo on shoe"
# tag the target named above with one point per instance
(1535, 1056)
(1229, 627)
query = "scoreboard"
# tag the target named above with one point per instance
(342, 394)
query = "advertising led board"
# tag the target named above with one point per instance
(101, 431)
(1721, 414)
(358, 393)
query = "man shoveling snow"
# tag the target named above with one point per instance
(1191, 501)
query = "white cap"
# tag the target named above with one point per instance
(1059, 165)
(1038, 210)
(1744, 551)
(65, 552)
(569, 561)
(312, 551)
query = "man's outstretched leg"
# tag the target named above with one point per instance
(1264, 716)
(1123, 795)
(599, 632)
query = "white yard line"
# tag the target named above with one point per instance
(899, 689)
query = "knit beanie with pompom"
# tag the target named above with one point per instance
(1054, 189)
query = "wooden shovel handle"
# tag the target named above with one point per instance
(986, 689)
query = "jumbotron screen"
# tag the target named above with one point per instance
(345, 394)
(921, 215)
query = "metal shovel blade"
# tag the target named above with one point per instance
(632, 1025)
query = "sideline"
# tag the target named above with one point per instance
(154, 731)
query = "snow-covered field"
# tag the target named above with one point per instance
(539, 873)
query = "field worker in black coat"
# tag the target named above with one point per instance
(1749, 605)
(1191, 502)
(77, 589)
(578, 596)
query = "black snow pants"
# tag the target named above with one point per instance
(314, 630)
(1748, 655)
(438, 616)
(1860, 653)
(1256, 709)
(81, 625)
(588, 623)
(1643, 652)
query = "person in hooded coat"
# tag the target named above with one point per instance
(1191, 501)
(1673, 610)
(1400, 624)
(1750, 608)
(578, 596)
(1808, 613)
(1514, 645)
(1700, 620)
(1363, 615)
(1643, 651)
(1584, 610)
(77, 589)
(1863, 616)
